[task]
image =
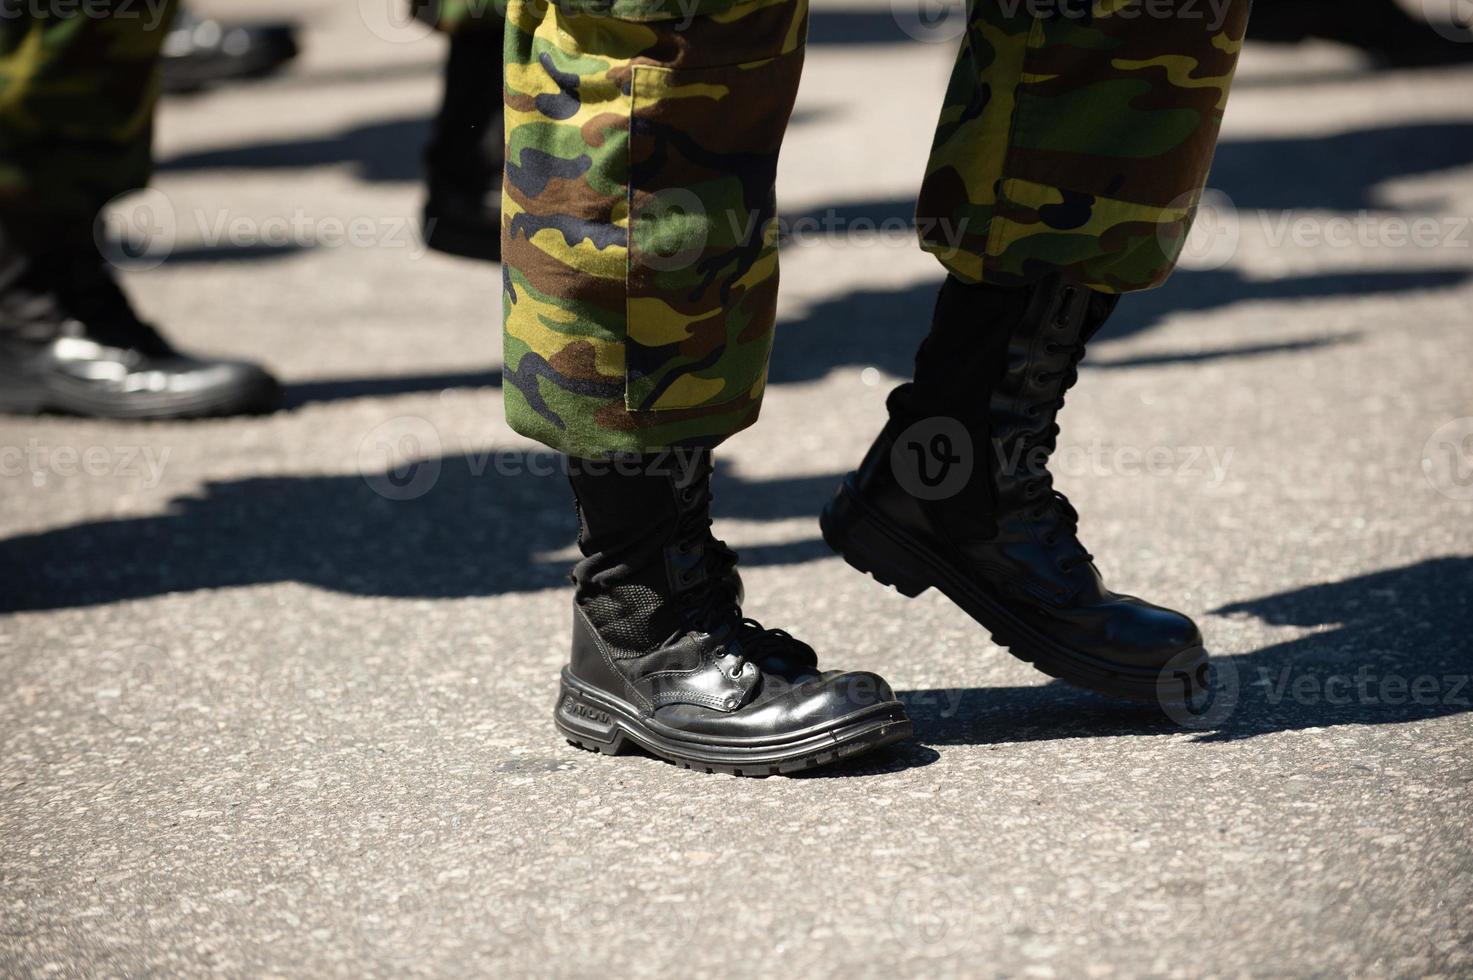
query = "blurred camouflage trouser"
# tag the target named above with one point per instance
(77, 93)
(639, 231)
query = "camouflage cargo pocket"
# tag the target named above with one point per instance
(702, 274)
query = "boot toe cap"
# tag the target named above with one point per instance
(820, 701)
(1147, 635)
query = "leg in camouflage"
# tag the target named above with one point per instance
(641, 273)
(639, 218)
(1078, 142)
(463, 159)
(1067, 166)
(77, 95)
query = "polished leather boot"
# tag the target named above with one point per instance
(463, 161)
(71, 343)
(955, 494)
(201, 51)
(662, 656)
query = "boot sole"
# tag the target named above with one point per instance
(595, 720)
(26, 397)
(872, 543)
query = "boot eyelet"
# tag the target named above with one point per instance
(731, 704)
(1037, 514)
(1051, 540)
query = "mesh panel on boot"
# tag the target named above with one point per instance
(630, 617)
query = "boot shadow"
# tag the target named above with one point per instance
(438, 527)
(910, 754)
(1397, 651)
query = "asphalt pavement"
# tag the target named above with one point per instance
(277, 691)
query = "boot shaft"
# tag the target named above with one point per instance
(651, 567)
(467, 143)
(999, 361)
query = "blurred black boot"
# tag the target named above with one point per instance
(462, 214)
(662, 655)
(955, 493)
(70, 342)
(200, 52)
(1381, 28)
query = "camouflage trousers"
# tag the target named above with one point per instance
(78, 86)
(638, 215)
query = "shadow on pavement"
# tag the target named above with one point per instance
(1339, 172)
(387, 151)
(912, 754)
(480, 525)
(859, 26)
(1218, 353)
(382, 151)
(206, 254)
(882, 327)
(337, 389)
(1391, 647)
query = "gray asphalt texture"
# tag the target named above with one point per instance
(261, 716)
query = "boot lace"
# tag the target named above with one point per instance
(712, 606)
(1041, 487)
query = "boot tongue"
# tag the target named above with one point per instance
(88, 293)
(707, 591)
(696, 564)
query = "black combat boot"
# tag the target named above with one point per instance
(200, 51)
(955, 493)
(70, 342)
(1381, 28)
(662, 656)
(463, 161)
